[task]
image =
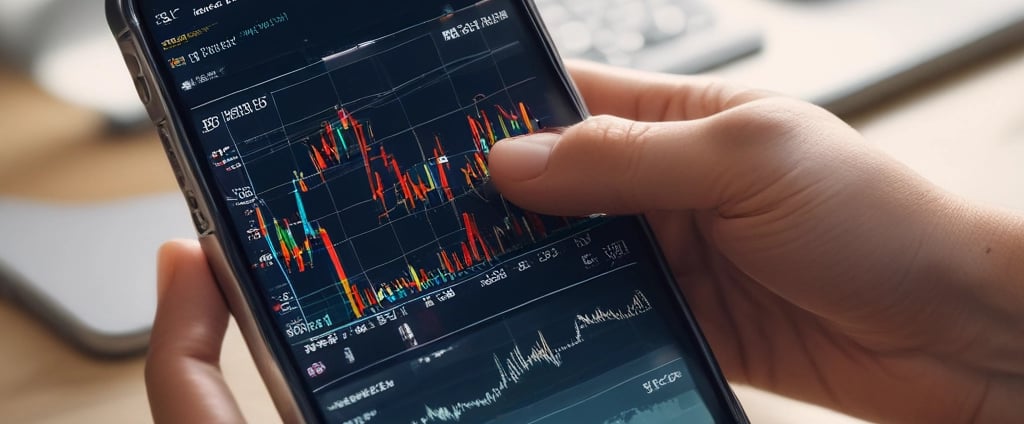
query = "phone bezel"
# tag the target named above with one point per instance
(224, 251)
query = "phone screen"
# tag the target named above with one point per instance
(345, 144)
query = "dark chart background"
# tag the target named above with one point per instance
(355, 171)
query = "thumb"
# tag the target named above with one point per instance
(183, 377)
(613, 165)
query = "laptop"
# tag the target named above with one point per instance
(841, 54)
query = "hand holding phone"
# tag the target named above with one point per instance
(335, 160)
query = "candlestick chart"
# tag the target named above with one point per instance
(386, 215)
(408, 188)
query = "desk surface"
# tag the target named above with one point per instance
(965, 131)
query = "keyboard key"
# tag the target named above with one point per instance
(658, 35)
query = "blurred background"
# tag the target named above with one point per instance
(65, 47)
(86, 194)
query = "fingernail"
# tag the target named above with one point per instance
(528, 156)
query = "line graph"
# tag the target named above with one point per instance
(515, 365)
(686, 408)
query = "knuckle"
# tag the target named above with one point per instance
(610, 129)
(697, 97)
(625, 152)
(711, 98)
(783, 143)
(775, 121)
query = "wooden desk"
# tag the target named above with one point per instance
(965, 131)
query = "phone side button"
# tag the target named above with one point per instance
(135, 68)
(198, 217)
(193, 202)
(172, 157)
(142, 87)
(179, 176)
(202, 224)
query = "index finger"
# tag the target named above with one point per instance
(653, 97)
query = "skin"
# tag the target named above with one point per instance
(818, 267)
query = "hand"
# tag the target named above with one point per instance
(817, 266)
(183, 377)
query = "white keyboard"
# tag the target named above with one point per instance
(682, 36)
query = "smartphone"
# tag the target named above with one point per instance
(334, 158)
